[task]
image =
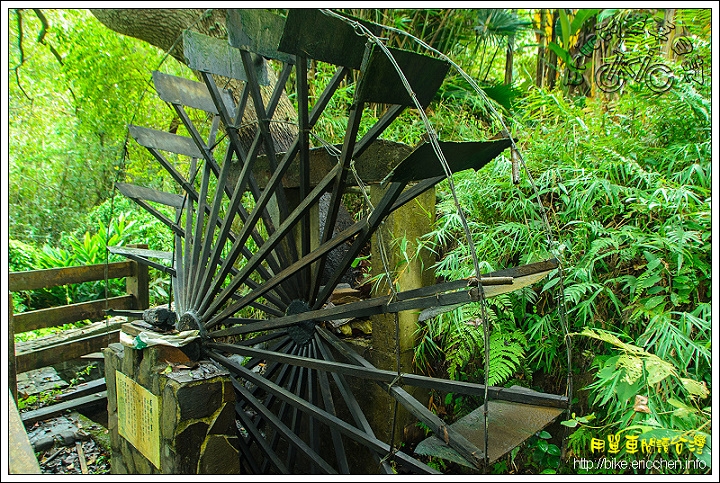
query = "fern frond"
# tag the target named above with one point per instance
(507, 353)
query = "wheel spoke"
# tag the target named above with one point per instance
(330, 420)
(352, 403)
(329, 405)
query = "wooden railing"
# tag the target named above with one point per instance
(136, 298)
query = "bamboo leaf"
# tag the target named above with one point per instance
(565, 28)
(581, 16)
(657, 370)
(563, 54)
(695, 388)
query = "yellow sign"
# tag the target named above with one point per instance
(138, 417)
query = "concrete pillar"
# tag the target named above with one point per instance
(400, 234)
(165, 417)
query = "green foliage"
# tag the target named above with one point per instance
(82, 374)
(636, 371)
(35, 401)
(453, 338)
(645, 396)
(543, 455)
(70, 100)
(506, 356)
(625, 186)
(88, 248)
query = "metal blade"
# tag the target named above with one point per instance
(216, 56)
(424, 163)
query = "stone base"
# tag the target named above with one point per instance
(196, 431)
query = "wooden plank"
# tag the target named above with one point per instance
(47, 412)
(216, 56)
(36, 279)
(142, 256)
(138, 285)
(186, 92)
(99, 327)
(529, 269)
(373, 165)
(509, 425)
(258, 31)
(371, 373)
(65, 314)
(12, 373)
(147, 194)
(81, 457)
(523, 276)
(518, 283)
(65, 351)
(165, 141)
(82, 390)
(21, 457)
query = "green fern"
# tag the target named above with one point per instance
(463, 344)
(507, 354)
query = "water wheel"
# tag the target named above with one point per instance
(249, 265)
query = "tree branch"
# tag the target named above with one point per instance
(22, 53)
(44, 25)
(43, 32)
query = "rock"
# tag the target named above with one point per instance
(43, 444)
(66, 438)
(160, 318)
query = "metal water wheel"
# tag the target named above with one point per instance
(247, 269)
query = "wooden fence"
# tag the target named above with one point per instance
(136, 298)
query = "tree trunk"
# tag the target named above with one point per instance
(163, 28)
(552, 56)
(509, 57)
(541, 39)
(669, 21)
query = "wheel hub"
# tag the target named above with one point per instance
(302, 332)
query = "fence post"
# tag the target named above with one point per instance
(12, 374)
(139, 283)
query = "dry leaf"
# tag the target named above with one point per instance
(641, 404)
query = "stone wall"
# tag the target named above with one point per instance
(196, 433)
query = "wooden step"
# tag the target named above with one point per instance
(185, 92)
(313, 34)
(424, 163)
(67, 345)
(47, 412)
(83, 389)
